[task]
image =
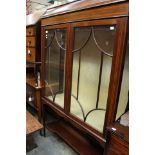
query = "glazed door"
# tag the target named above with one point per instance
(123, 102)
(54, 64)
(82, 70)
(92, 56)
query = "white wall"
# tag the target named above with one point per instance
(34, 4)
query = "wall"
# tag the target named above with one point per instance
(34, 5)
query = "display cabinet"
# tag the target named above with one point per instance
(83, 57)
(33, 67)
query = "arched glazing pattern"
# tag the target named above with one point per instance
(92, 60)
(55, 50)
(123, 102)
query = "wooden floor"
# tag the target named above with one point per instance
(32, 124)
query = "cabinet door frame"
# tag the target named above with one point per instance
(100, 22)
(115, 76)
(43, 51)
(117, 71)
(116, 68)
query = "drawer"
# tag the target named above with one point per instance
(30, 41)
(30, 54)
(30, 31)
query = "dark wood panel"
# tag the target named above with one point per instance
(118, 144)
(111, 151)
(100, 13)
(111, 21)
(39, 105)
(74, 138)
(60, 26)
(42, 57)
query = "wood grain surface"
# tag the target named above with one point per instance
(32, 124)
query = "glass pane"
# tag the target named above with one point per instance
(123, 98)
(54, 65)
(92, 60)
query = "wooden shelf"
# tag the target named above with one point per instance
(35, 63)
(76, 140)
(32, 124)
(32, 82)
(30, 65)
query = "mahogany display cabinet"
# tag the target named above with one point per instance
(83, 48)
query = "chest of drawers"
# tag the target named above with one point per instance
(33, 67)
(33, 43)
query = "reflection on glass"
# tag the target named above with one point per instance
(123, 98)
(92, 60)
(54, 65)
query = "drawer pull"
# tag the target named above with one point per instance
(29, 32)
(29, 43)
(29, 52)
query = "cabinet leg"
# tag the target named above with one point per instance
(44, 120)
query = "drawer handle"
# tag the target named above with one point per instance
(29, 52)
(29, 43)
(29, 32)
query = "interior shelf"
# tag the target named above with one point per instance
(36, 62)
(30, 65)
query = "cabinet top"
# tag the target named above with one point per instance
(78, 6)
(33, 18)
